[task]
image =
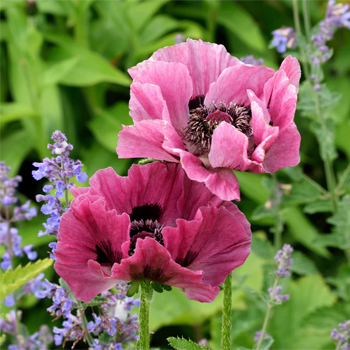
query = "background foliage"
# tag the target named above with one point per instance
(64, 66)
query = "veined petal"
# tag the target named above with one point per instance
(229, 148)
(220, 181)
(232, 84)
(147, 102)
(176, 87)
(204, 61)
(153, 262)
(147, 139)
(285, 150)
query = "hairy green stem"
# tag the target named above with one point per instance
(146, 294)
(267, 316)
(227, 314)
(343, 178)
(314, 184)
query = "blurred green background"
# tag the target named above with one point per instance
(64, 66)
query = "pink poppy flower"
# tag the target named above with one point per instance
(155, 224)
(196, 104)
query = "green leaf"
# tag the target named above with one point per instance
(56, 72)
(318, 207)
(140, 13)
(106, 125)
(241, 23)
(301, 193)
(92, 68)
(326, 139)
(133, 289)
(342, 281)
(341, 222)
(183, 344)
(159, 26)
(157, 287)
(307, 295)
(261, 212)
(13, 151)
(252, 186)
(303, 230)
(262, 247)
(265, 344)
(13, 279)
(12, 111)
(303, 265)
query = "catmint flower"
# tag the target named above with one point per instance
(283, 39)
(276, 297)
(38, 340)
(342, 336)
(284, 261)
(258, 335)
(251, 60)
(59, 170)
(179, 38)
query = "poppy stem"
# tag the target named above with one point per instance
(146, 294)
(227, 314)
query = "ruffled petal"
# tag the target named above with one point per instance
(216, 242)
(220, 181)
(153, 262)
(204, 61)
(149, 139)
(154, 183)
(88, 232)
(176, 87)
(232, 84)
(291, 68)
(264, 134)
(285, 150)
(283, 101)
(147, 102)
(228, 148)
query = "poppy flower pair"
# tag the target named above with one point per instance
(207, 113)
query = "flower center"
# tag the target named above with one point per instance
(144, 223)
(203, 121)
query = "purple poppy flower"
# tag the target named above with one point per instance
(155, 224)
(195, 104)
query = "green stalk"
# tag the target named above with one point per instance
(146, 294)
(299, 33)
(227, 314)
(84, 324)
(267, 316)
(306, 19)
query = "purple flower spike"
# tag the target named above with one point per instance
(275, 297)
(283, 39)
(284, 261)
(59, 170)
(342, 337)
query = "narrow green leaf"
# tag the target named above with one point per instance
(241, 23)
(13, 279)
(141, 12)
(183, 344)
(12, 111)
(92, 68)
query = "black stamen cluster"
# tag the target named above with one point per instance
(199, 131)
